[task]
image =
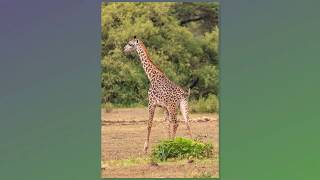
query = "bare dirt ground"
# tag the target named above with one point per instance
(123, 133)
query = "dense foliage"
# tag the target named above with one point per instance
(181, 148)
(181, 38)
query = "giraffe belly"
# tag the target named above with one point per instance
(165, 103)
(165, 95)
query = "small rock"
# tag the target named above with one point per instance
(154, 164)
(190, 161)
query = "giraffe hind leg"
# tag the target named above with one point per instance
(185, 113)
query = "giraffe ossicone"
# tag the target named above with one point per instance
(162, 92)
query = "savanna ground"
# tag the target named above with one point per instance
(123, 133)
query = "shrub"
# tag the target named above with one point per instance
(181, 148)
(107, 107)
(205, 105)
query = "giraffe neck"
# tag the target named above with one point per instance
(150, 69)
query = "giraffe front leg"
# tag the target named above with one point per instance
(151, 108)
(175, 127)
(169, 129)
(174, 124)
(167, 120)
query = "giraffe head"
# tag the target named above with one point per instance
(131, 45)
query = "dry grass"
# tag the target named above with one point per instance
(180, 169)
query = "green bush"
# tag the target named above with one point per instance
(205, 105)
(181, 148)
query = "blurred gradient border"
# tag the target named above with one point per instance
(50, 75)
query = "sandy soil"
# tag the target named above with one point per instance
(123, 133)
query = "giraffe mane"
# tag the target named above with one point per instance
(147, 53)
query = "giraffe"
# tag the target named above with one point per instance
(162, 92)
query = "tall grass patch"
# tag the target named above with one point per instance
(181, 148)
(205, 105)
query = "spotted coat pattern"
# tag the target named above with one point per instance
(162, 93)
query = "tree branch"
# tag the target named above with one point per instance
(191, 20)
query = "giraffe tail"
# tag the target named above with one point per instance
(193, 84)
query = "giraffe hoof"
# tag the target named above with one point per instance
(145, 148)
